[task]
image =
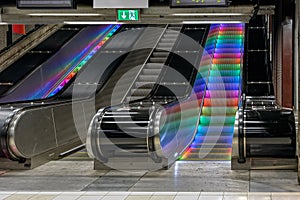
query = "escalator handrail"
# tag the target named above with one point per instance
(144, 64)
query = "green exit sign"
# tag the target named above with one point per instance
(128, 15)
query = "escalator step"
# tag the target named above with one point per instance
(160, 54)
(133, 98)
(223, 86)
(140, 92)
(216, 130)
(145, 85)
(224, 79)
(154, 66)
(221, 111)
(151, 71)
(221, 94)
(217, 102)
(213, 120)
(225, 73)
(158, 59)
(147, 78)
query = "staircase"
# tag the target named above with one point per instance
(215, 131)
(150, 72)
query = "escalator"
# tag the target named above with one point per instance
(40, 129)
(215, 131)
(265, 133)
(145, 133)
(150, 72)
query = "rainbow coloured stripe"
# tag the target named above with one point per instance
(74, 70)
(215, 131)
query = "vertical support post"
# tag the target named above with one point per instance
(9, 36)
(287, 63)
(296, 56)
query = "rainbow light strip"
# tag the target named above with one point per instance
(67, 77)
(222, 93)
(183, 117)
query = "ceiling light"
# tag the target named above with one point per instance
(207, 14)
(64, 14)
(91, 22)
(212, 22)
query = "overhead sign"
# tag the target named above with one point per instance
(120, 4)
(128, 15)
(198, 3)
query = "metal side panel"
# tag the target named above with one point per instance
(31, 133)
(34, 131)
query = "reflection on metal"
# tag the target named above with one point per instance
(154, 131)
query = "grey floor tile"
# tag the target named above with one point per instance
(114, 197)
(3, 196)
(235, 198)
(188, 197)
(42, 197)
(66, 197)
(259, 196)
(19, 197)
(162, 197)
(89, 197)
(188, 194)
(285, 196)
(141, 193)
(273, 181)
(39, 183)
(210, 198)
(138, 197)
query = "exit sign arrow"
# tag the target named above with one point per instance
(124, 15)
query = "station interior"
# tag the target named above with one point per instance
(149, 99)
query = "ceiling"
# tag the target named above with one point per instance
(157, 13)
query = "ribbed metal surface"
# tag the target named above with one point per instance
(149, 74)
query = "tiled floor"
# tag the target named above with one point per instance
(204, 176)
(146, 196)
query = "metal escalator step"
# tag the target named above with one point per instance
(133, 98)
(210, 150)
(151, 71)
(140, 92)
(158, 59)
(223, 86)
(153, 66)
(147, 78)
(216, 129)
(215, 120)
(209, 156)
(168, 40)
(219, 111)
(165, 44)
(213, 139)
(161, 54)
(221, 94)
(216, 102)
(146, 85)
(213, 145)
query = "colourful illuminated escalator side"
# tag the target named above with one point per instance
(213, 139)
